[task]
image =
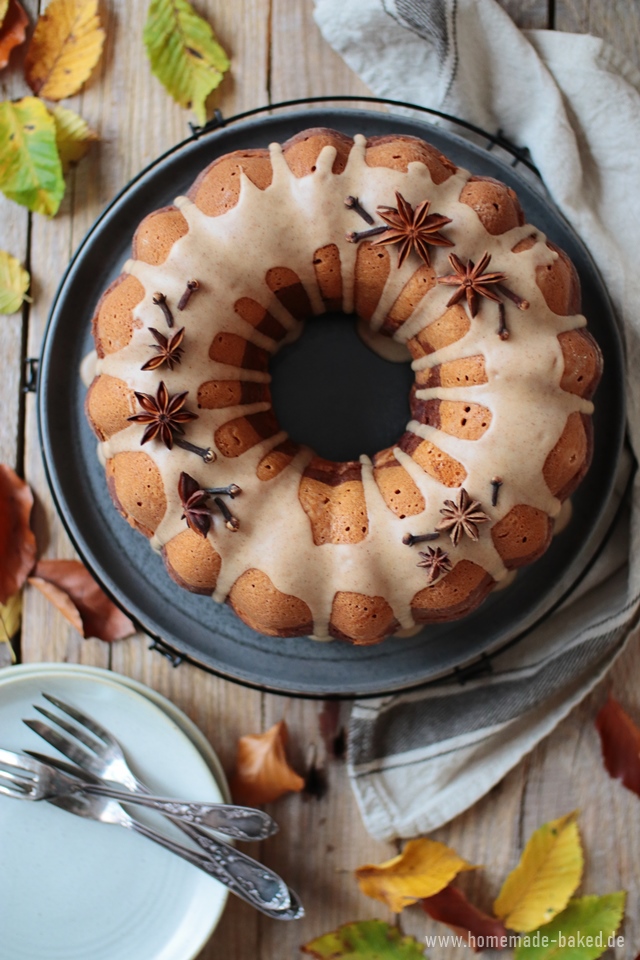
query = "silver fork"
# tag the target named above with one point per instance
(244, 876)
(106, 810)
(45, 777)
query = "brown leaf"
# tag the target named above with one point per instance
(620, 740)
(71, 588)
(18, 551)
(13, 30)
(262, 771)
(479, 929)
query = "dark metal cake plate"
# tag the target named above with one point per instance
(192, 627)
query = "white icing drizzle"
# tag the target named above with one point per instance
(284, 225)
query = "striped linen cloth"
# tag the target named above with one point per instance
(417, 760)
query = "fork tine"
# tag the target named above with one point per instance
(11, 792)
(77, 732)
(20, 760)
(65, 746)
(23, 785)
(82, 718)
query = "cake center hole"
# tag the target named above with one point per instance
(333, 393)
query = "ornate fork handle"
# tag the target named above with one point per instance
(247, 878)
(241, 823)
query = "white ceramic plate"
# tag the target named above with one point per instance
(72, 889)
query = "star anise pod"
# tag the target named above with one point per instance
(461, 517)
(412, 229)
(436, 562)
(163, 415)
(169, 349)
(472, 282)
(194, 505)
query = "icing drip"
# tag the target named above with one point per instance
(283, 225)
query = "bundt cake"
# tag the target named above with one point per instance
(435, 263)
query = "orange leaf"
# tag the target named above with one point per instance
(18, 544)
(262, 771)
(620, 739)
(12, 31)
(71, 588)
(479, 929)
(65, 47)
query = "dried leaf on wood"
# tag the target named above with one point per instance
(73, 136)
(10, 617)
(184, 53)
(620, 739)
(71, 588)
(479, 929)
(548, 873)
(65, 47)
(422, 869)
(4, 6)
(14, 283)
(262, 772)
(18, 553)
(30, 168)
(365, 940)
(581, 932)
(13, 29)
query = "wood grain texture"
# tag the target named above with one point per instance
(278, 53)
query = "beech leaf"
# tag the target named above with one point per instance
(65, 47)
(184, 53)
(422, 869)
(71, 588)
(620, 740)
(73, 136)
(10, 617)
(30, 169)
(262, 772)
(481, 931)
(581, 932)
(14, 283)
(18, 553)
(13, 29)
(549, 871)
(365, 940)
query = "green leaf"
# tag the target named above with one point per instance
(30, 169)
(73, 136)
(581, 932)
(184, 53)
(365, 940)
(14, 283)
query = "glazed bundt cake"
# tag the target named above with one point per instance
(435, 263)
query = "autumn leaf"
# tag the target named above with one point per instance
(581, 932)
(14, 283)
(422, 869)
(10, 617)
(30, 169)
(184, 53)
(4, 6)
(620, 740)
(365, 940)
(71, 588)
(549, 871)
(13, 30)
(18, 553)
(65, 47)
(262, 772)
(73, 136)
(480, 930)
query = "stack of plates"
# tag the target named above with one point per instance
(73, 889)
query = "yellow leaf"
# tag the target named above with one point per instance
(422, 869)
(30, 168)
(10, 617)
(549, 871)
(65, 47)
(262, 771)
(4, 6)
(14, 283)
(73, 136)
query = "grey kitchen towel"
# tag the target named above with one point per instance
(418, 759)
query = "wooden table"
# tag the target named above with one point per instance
(278, 53)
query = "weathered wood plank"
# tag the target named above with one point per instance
(616, 21)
